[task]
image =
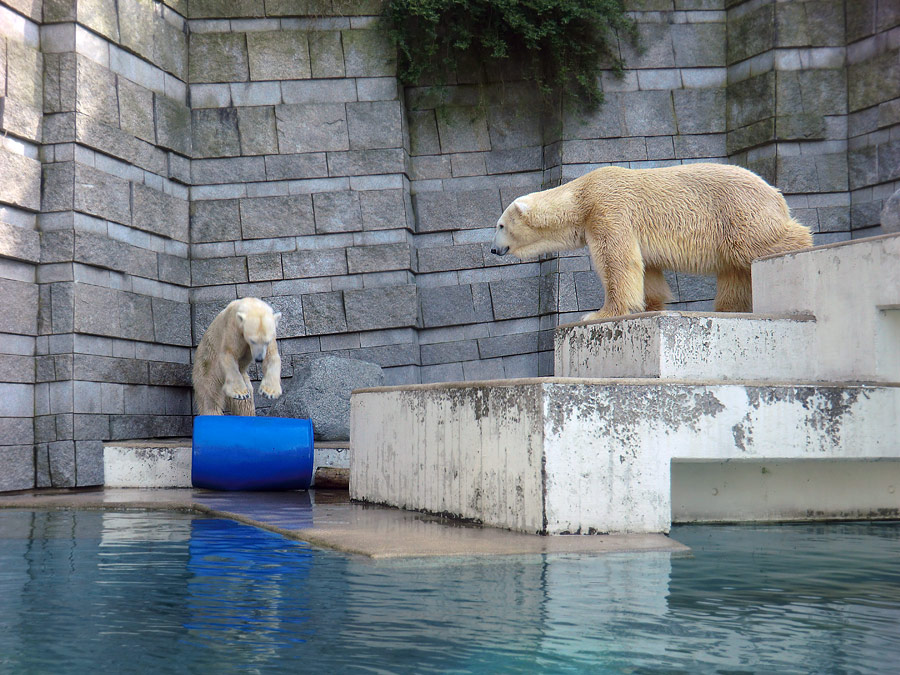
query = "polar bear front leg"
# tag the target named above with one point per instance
(270, 387)
(235, 386)
(621, 269)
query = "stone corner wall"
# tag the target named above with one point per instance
(161, 158)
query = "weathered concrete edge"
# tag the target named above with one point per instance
(613, 381)
(822, 247)
(337, 539)
(677, 314)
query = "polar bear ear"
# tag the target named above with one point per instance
(277, 316)
(241, 316)
(521, 205)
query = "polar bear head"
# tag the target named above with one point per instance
(257, 321)
(540, 222)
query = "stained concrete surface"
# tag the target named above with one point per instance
(328, 519)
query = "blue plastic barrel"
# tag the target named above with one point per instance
(232, 452)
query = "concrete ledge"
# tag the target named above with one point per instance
(167, 464)
(688, 345)
(557, 455)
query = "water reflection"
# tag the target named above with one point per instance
(151, 592)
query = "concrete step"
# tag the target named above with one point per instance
(565, 455)
(166, 463)
(688, 346)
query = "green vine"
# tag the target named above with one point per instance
(562, 46)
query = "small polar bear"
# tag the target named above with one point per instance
(243, 331)
(695, 218)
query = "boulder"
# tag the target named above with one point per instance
(890, 214)
(320, 391)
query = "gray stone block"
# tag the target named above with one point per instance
(16, 431)
(589, 292)
(98, 15)
(812, 92)
(20, 120)
(368, 53)
(307, 165)
(61, 464)
(693, 287)
(174, 269)
(291, 323)
(701, 146)
(215, 220)
(264, 217)
(312, 127)
(374, 308)
(446, 258)
(449, 352)
(751, 33)
(278, 55)
(231, 170)
(136, 110)
(215, 132)
(98, 250)
(257, 130)
(96, 93)
(135, 317)
(20, 316)
(374, 124)
(173, 124)
(383, 209)
(219, 57)
(264, 267)
(326, 54)
(168, 374)
(323, 313)
(89, 462)
(819, 23)
(447, 306)
(214, 271)
(90, 427)
(750, 100)
(654, 50)
(24, 74)
(18, 467)
(62, 307)
(800, 127)
(25, 191)
(379, 258)
(700, 111)
(171, 322)
(462, 129)
(648, 113)
(699, 44)
(16, 368)
(19, 243)
(337, 212)
(224, 9)
(95, 368)
(514, 160)
(515, 298)
(890, 214)
(520, 129)
(315, 263)
(423, 133)
(437, 211)
(366, 162)
(160, 213)
(320, 391)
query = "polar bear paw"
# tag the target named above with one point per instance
(270, 391)
(239, 394)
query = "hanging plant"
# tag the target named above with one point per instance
(562, 46)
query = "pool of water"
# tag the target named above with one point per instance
(153, 592)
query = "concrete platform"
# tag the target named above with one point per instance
(328, 519)
(687, 346)
(166, 463)
(564, 455)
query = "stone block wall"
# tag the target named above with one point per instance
(160, 158)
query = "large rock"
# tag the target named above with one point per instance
(890, 215)
(320, 391)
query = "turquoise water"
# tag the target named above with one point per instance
(138, 592)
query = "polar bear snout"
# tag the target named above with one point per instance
(500, 245)
(500, 251)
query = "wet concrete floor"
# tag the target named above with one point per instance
(328, 519)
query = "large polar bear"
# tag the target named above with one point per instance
(696, 218)
(243, 331)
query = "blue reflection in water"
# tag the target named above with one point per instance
(171, 593)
